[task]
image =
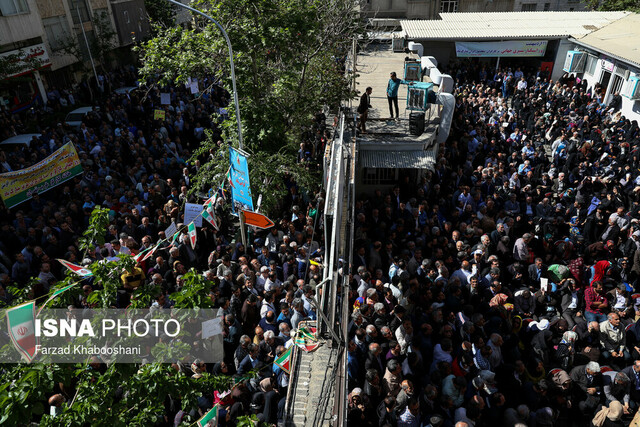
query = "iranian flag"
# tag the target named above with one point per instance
(210, 419)
(174, 238)
(56, 293)
(284, 361)
(21, 322)
(193, 236)
(79, 270)
(144, 255)
(306, 339)
(209, 214)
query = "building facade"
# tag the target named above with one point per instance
(430, 9)
(66, 34)
(22, 36)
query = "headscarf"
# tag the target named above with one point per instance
(569, 337)
(613, 412)
(499, 299)
(600, 268)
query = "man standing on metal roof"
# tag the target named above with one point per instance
(392, 93)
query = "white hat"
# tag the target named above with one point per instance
(542, 325)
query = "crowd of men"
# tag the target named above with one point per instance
(500, 289)
(139, 169)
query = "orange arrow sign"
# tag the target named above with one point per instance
(257, 220)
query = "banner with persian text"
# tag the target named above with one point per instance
(19, 186)
(508, 48)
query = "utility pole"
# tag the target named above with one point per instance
(233, 71)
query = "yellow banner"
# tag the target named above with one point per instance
(19, 186)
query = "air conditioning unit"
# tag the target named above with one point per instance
(397, 43)
(574, 61)
(631, 88)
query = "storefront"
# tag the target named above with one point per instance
(24, 87)
(609, 57)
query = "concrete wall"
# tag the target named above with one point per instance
(15, 28)
(563, 47)
(405, 9)
(558, 5)
(485, 5)
(50, 8)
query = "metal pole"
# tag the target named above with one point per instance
(243, 232)
(93, 65)
(233, 71)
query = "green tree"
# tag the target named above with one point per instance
(160, 12)
(613, 5)
(289, 57)
(125, 394)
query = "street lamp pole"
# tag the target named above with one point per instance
(233, 71)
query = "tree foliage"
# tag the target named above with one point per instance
(122, 395)
(289, 57)
(614, 5)
(160, 12)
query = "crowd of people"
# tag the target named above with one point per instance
(501, 287)
(138, 167)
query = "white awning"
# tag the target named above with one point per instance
(397, 159)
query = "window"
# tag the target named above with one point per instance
(547, 6)
(621, 70)
(126, 16)
(529, 7)
(448, 6)
(13, 7)
(618, 81)
(82, 43)
(57, 31)
(79, 6)
(591, 65)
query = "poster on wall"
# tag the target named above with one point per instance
(517, 48)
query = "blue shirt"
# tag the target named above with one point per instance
(393, 86)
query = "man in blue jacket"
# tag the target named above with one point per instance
(392, 93)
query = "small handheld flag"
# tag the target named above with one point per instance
(79, 270)
(284, 361)
(193, 236)
(210, 418)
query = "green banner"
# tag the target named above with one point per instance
(19, 186)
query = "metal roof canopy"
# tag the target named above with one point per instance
(397, 159)
(618, 39)
(508, 25)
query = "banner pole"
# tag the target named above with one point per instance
(242, 229)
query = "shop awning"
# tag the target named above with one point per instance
(382, 159)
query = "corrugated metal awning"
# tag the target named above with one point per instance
(508, 25)
(397, 159)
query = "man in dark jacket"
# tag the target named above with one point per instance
(633, 372)
(363, 109)
(588, 385)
